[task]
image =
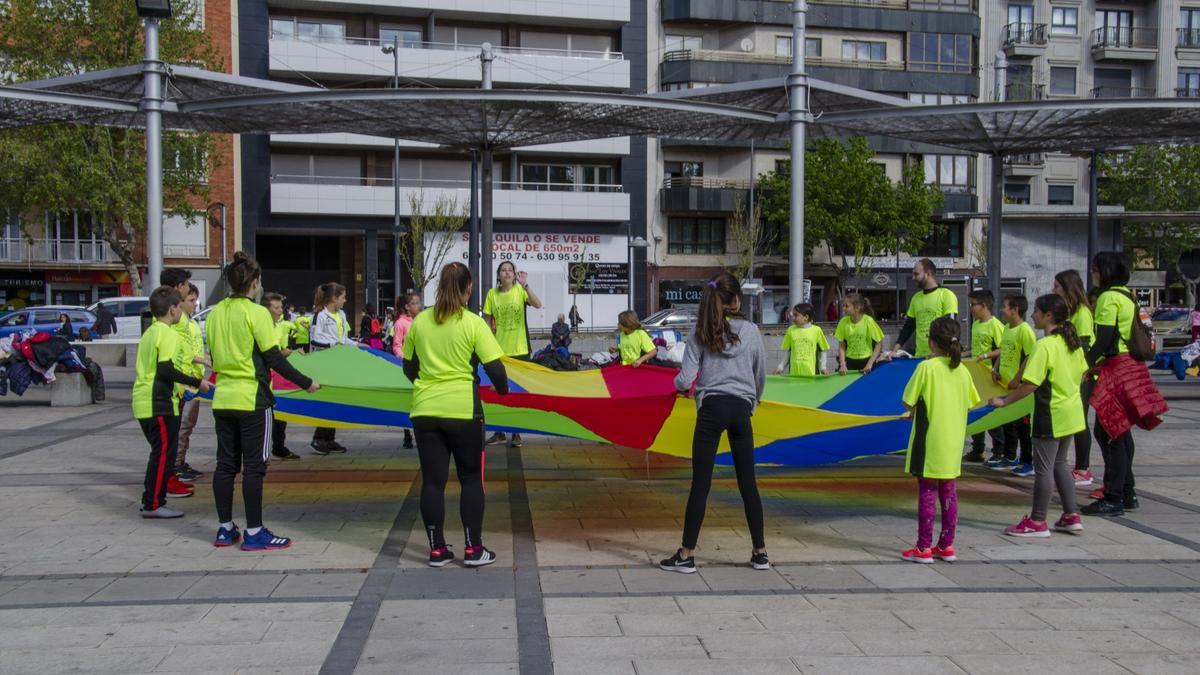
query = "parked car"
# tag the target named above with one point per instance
(1172, 326)
(678, 319)
(127, 310)
(45, 319)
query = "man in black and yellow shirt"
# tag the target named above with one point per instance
(155, 405)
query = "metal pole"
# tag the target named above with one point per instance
(473, 244)
(224, 256)
(897, 276)
(152, 105)
(1093, 233)
(752, 214)
(396, 276)
(797, 84)
(995, 227)
(485, 274)
(629, 263)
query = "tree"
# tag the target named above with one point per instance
(97, 171)
(431, 235)
(1157, 178)
(851, 206)
(578, 275)
(748, 234)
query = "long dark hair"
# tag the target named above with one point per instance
(241, 272)
(1074, 291)
(1112, 268)
(1055, 307)
(453, 285)
(944, 333)
(713, 331)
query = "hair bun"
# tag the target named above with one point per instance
(240, 256)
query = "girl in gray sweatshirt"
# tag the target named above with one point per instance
(725, 365)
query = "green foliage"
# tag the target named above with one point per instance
(852, 207)
(101, 170)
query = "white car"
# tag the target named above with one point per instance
(128, 312)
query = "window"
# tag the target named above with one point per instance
(189, 163)
(1061, 195)
(590, 44)
(940, 99)
(1062, 81)
(1020, 14)
(1016, 193)
(465, 35)
(681, 86)
(697, 236)
(1116, 27)
(859, 50)
(568, 178)
(949, 171)
(946, 52)
(783, 45)
(15, 319)
(310, 30)
(783, 167)
(1064, 21)
(683, 169)
(597, 179)
(945, 242)
(675, 43)
(183, 238)
(1189, 27)
(408, 36)
(812, 48)
(1188, 82)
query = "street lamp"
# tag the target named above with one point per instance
(634, 242)
(153, 70)
(394, 50)
(158, 9)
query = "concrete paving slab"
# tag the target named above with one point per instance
(604, 648)
(902, 574)
(781, 645)
(330, 584)
(935, 643)
(690, 624)
(582, 581)
(1110, 619)
(742, 578)
(714, 667)
(880, 665)
(1157, 664)
(583, 625)
(146, 588)
(1078, 641)
(233, 586)
(823, 577)
(53, 591)
(1143, 575)
(654, 580)
(845, 620)
(1062, 575)
(1040, 664)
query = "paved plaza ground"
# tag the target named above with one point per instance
(88, 586)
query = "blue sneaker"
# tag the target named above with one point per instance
(227, 537)
(264, 541)
(1023, 470)
(999, 464)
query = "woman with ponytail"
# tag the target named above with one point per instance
(329, 328)
(1054, 371)
(725, 366)
(938, 397)
(1068, 285)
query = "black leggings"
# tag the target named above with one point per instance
(1118, 464)
(1083, 439)
(243, 444)
(437, 440)
(857, 364)
(723, 414)
(1017, 435)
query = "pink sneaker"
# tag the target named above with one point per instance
(1083, 477)
(1070, 522)
(917, 555)
(1028, 528)
(946, 554)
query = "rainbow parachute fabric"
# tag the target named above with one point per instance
(800, 422)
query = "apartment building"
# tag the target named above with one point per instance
(59, 259)
(1079, 49)
(319, 208)
(924, 50)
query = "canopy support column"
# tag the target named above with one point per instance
(797, 85)
(151, 102)
(1093, 232)
(995, 227)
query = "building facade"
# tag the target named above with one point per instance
(921, 50)
(319, 208)
(1079, 49)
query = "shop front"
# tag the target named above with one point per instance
(84, 287)
(20, 289)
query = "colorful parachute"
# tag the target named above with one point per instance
(801, 421)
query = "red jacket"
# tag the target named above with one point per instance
(1126, 396)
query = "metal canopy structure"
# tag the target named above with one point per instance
(771, 95)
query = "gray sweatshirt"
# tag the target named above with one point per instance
(739, 371)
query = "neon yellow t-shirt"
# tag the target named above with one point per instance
(940, 397)
(152, 396)
(1057, 372)
(448, 354)
(986, 336)
(191, 345)
(303, 323)
(239, 331)
(803, 344)
(633, 345)
(1085, 324)
(284, 330)
(1114, 309)
(507, 309)
(860, 338)
(1015, 346)
(927, 306)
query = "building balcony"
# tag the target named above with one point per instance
(1124, 92)
(1024, 91)
(958, 199)
(432, 61)
(1187, 38)
(1026, 164)
(610, 13)
(887, 15)
(343, 196)
(57, 251)
(696, 194)
(1024, 39)
(1125, 44)
(598, 147)
(1187, 92)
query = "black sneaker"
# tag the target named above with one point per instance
(284, 455)
(678, 563)
(478, 556)
(319, 447)
(973, 456)
(515, 441)
(408, 440)
(759, 561)
(334, 446)
(441, 556)
(1131, 503)
(496, 438)
(1103, 507)
(189, 470)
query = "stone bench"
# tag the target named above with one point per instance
(70, 390)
